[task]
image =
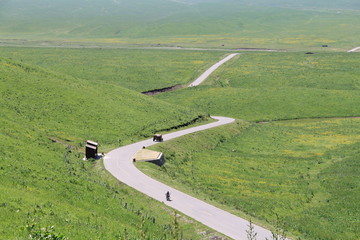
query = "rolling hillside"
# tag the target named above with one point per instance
(45, 119)
(295, 152)
(135, 69)
(81, 79)
(278, 86)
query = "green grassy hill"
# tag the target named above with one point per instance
(45, 119)
(273, 86)
(138, 70)
(53, 99)
(47, 116)
(305, 169)
(104, 112)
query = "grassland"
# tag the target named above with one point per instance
(138, 70)
(45, 119)
(306, 171)
(53, 99)
(215, 24)
(273, 86)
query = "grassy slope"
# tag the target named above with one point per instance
(30, 186)
(47, 182)
(138, 70)
(289, 72)
(84, 109)
(271, 86)
(306, 171)
(300, 25)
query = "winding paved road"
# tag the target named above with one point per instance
(119, 163)
(207, 73)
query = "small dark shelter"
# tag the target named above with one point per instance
(325, 45)
(91, 149)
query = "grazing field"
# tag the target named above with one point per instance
(216, 24)
(306, 171)
(45, 119)
(139, 70)
(307, 166)
(273, 86)
(83, 82)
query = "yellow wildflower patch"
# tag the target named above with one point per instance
(247, 72)
(8, 65)
(313, 127)
(198, 62)
(317, 145)
(327, 141)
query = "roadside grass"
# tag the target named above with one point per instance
(303, 170)
(306, 171)
(273, 86)
(45, 119)
(80, 200)
(139, 70)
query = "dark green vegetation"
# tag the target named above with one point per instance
(45, 119)
(273, 86)
(138, 70)
(232, 23)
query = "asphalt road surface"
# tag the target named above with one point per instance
(119, 163)
(354, 49)
(207, 73)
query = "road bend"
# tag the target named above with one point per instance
(119, 163)
(354, 49)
